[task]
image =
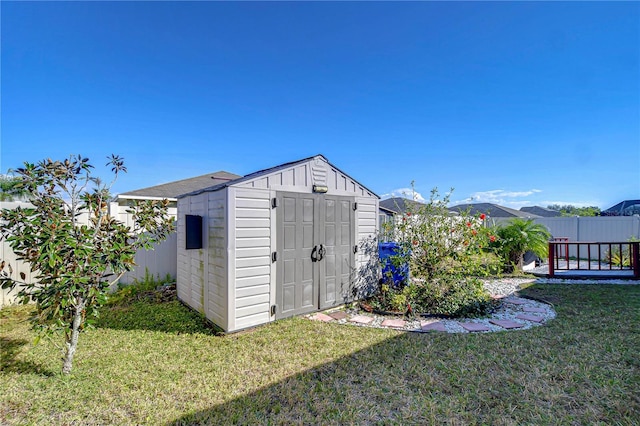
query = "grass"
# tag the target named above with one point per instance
(158, 363)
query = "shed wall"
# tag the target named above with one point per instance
(217, 289)
(251, 256)
(367, 227)
(192, 264)
(305, 175)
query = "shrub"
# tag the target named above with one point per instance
(443, 252)
(453, 296)
(519, 236)
(128, 293)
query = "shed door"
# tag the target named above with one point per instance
(297, 225)
(337, 237)
(318, 226)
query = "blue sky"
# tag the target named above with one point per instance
(517, 103)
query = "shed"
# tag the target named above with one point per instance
(284, 241)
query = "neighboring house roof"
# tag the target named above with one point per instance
(624, 208)
(541, 211)
(399, 204)
(268, 171)
(491, 210)
(386, 211)
(174, 189)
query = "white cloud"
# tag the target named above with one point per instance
(405, 193)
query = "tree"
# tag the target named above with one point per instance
(72, 244)
(520, 236)
(10, 188)
(569, 210)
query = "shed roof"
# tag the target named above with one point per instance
(179, 187)
(261, 173)
(492, 210)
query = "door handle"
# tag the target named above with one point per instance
(314, 256)
(321, 252)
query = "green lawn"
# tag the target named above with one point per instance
(156, 363)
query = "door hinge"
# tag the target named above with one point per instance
(274, 256)
(274, 202)
(355, 249)
(355, 206)
(273, 309)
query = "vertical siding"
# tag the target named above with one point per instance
(302, 177)
(192, 264)
(119, 211)
(252, 236)
(158, 262)
(217, 284)
(367, 270)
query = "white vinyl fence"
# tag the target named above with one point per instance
(158, 262)
(592, 229)
(600, 229)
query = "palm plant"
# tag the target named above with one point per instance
(520, 236)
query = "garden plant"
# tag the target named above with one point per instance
(445, 253)
(518, 237)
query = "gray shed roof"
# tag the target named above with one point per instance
(541, 211)
(265, 172)
(492, 210)
(179, 187)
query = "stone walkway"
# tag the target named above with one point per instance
(513, 313)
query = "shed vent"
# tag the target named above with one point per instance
(319, 174)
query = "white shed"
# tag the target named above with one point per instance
(285, 241)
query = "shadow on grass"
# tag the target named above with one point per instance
(10, 363)
(553, 374)
(168, 317)
(378, 385)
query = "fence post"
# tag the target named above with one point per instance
(635, 258)
(552, 248)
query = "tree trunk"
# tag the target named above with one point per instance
(72, 342)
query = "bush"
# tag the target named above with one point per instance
(447, 295)
(453, 296)
(128, 293)
(443, 252)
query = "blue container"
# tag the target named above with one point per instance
(396, 275)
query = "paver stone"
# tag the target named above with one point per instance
(534, 318)
(473, 326)
(338, 315)
(361, 319)
(506, 324)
